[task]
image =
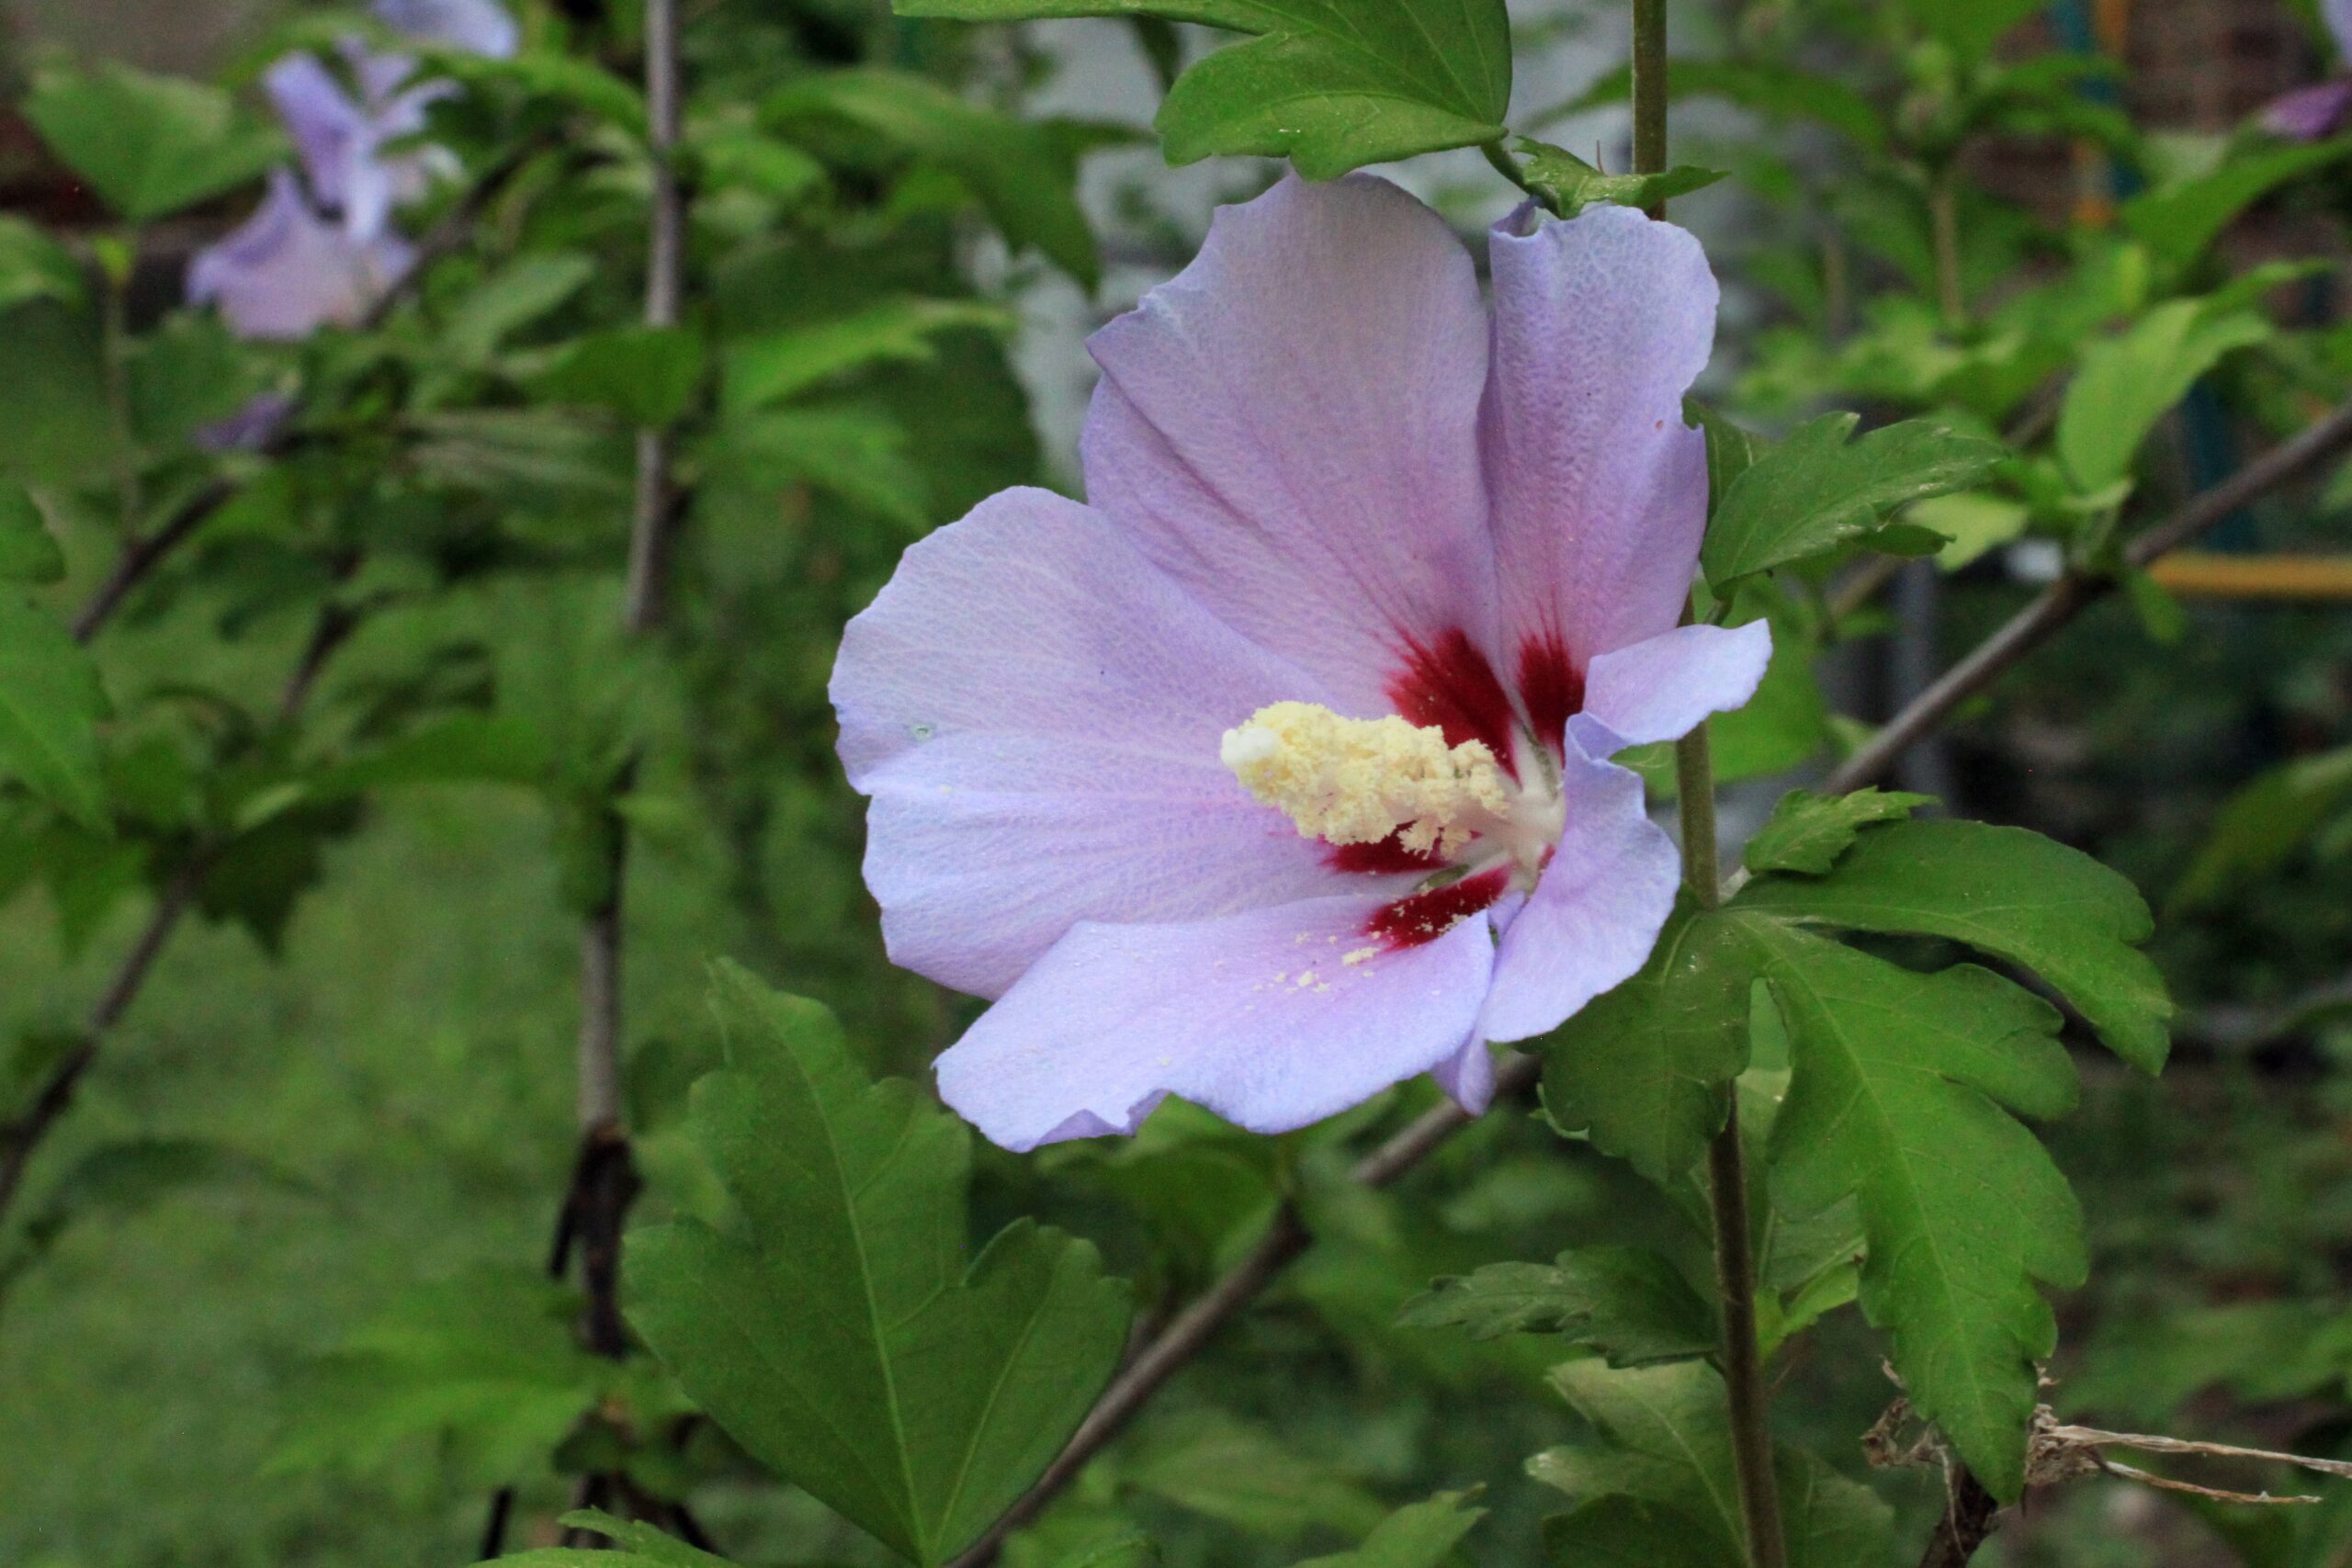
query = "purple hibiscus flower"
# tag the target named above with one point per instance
(324, 256)
(289, 271)
(1277, 774)
(341, 137)
(477, 26)
(2313, 114)
(341, 140)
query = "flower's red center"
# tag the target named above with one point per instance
(1448, 684)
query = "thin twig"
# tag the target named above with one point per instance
(21, 1138)
(141, 555)
(2093, 1438)
(605, 1182)
(2059, 603)
(1971, 1515)
(649, 556)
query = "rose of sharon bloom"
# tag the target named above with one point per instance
(292, 268)
(1277, 773)
(2316, 113)
(477, 26)
(289, 272)
(341, 140)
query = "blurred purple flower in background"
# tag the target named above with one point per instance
(341, 140)
(2313, 114)
(1277, 774)
(477, 26)
(322, 250)
(289, 272)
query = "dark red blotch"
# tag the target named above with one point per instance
(1551, 685)
(1425, 917)
(1451, 685)
(1386, 858)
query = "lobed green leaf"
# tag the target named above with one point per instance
(1646, 1070)
(1330, 84)
(29, 551)
(841, 1333)
(1807, 832)
(1815, 493)
(150, 146)
(1630, 1304)
(2127, 383)
(1420, 1535)
(50, 702)
(2007, 892)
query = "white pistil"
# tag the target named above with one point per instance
(1357, 781)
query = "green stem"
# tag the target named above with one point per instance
(118, 262)
(1943, 217)
(1649, 89)
(1751, 1428)
(1505, 164)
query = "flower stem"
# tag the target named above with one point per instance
(1943, 214)
(1649, 90)
(1751, 1430)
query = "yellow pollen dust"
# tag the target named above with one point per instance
(1356, 781)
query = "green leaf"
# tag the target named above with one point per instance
(1786, 722)
(2004, 891)
(1901, 1089)
(1777, 92)
(1126, 1552)
(34, 266)
(56, 424)
(1422, 1535)
(2129, 382)
(1024, 173)
(120, 1179)
(1568, 184)
(460, 747)
(1732, 449)
(1624, 1532)
(1630, 1304)
(570, 81)
(1808, 831)
(1972, 523)
(647, 375)
(2178, 221)
(1646, 1070)
(1813, 492)
(1665, 1444)
(1898, 1098)
(1971, 26)
(511, 299)
(487, 1361)
(188, 373)
(842, 1332)
(149, 146)
(1231, 1471)
(1664, 1439)
(2263, 825)
(29, 552)
(763, 371)
(1330, 84)
(858, 455)
(635, 1544)
(51, 704)
(742, 157)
